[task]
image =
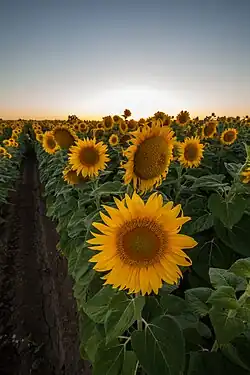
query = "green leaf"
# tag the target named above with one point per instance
(209, 182)
(224, 297)
(108, 360)
(197, 298)
(180, 309)
(202, 223)
(108, 188)
(129, 363)
(230, 351)
(226, 325)
(160, 348)
(229, 212)
(241, 268)
(220, 277)
(207, 363)
(233, 168)
(90, 337)
(122, 315)
(97, 307)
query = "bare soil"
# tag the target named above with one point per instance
(38, 317)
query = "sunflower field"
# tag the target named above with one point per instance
(153, 218)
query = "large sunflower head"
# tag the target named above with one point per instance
(132, 125)
(108, 122)
(113, 140)
(99, 133)
(65, 138)
(123, 127)
(148, 157)
(49, 143)
(88, 157)
(191, 152)
(229, 136)
(140, 244)
(183, 117)
(71, 176)
(209, 129)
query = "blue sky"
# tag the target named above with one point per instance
(92, 58)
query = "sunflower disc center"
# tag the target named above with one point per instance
(151, 158)
(209, 130)
(229, 136)
(140, 242)
(51, 143)
(64, 138)
(89, 156)
(191, 152)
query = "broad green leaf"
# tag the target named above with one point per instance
(233, 168)
(197, 298)
(239, 236)
(129, 363)
(230, 351)
(207, 363)
(160, 348)
(108, 188)
(209, 182)
(97, 307)
(224, 297)
(229, 212)
(90, 337)
(220, 277)
(122, 315)
(241, 268)
(202, 223)
(226, 325)
(180, 309)
(108, 360)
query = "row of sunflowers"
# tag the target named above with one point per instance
(153, 217)
(11, 149)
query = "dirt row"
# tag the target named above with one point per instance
(38, 318)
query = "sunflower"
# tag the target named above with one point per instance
(191, 152)
(209, 129)
(246, 176)
(88, 157)
(49, 143)
(39, 138)
(140, 244)
(71, 177)
(183, 117)
(65, 138)
(116, 118)
(108, 123)
(132, 125)
(126, 113)
(99, 133)
(229, 136)
(148, 157)
(3, 151)
(113, 140)
(83, 127)
(75, 127)
(123, 127)
(7, 143)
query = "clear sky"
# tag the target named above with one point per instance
(92, 58)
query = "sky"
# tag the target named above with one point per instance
(93, 58)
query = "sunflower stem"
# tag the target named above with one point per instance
(215, 346)
(139, 319)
